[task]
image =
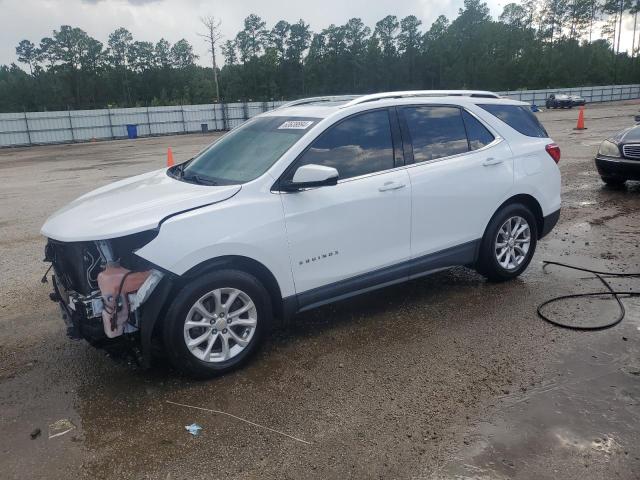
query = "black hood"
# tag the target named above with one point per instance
(627, 135)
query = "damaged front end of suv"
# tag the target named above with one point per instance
(110, 293)
(107, 294)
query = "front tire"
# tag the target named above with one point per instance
(216, 322)
(614, 181)
(508, 244)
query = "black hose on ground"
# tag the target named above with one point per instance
(600, 275)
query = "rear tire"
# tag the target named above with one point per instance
(508, 244)
(206, 309)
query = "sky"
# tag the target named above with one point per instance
(175, 19)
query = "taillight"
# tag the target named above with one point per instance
(554, 151)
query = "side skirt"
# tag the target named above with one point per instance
(465, 254)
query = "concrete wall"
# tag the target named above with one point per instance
(36, 128)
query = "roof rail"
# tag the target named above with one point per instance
(327, 98)
(421, 93)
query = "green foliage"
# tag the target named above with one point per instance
(534, 44)
(182, 55)
(27, 53)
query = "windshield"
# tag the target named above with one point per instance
(246, 152)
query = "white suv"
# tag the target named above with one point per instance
(307, 204)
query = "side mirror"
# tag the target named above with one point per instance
(310, 176)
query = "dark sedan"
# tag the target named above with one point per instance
(618, 158)
(559, 100)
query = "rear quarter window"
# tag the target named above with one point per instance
(518, 117)
(477, 133)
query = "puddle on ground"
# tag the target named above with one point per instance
(579, 228)
(579, 203)
(584, 419)
(582, 186)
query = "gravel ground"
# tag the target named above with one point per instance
(444, 377)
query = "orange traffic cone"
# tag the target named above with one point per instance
(169, 158)
(580, 125)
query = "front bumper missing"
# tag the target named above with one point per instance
(80, 321)
(83, 316)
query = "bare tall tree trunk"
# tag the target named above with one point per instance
(616, 45)
(215, 70)
(615, 31)
(593, 16)
(572, 28)
(620, 26)
(633, 38)
(212, 35)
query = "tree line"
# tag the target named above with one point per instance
(533, 44)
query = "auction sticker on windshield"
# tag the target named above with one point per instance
(295, 125)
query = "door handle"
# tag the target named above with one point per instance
(492, 161)
(391, 186)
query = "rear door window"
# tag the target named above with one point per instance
(357, 146)
(436, 132)
(518, 117)
(477, 133)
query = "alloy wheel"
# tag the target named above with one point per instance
(512, 243)
(220, 325)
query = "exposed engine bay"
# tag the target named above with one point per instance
(101, 285)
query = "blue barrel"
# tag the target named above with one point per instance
(132, 131)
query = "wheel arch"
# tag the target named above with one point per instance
(248, 265)
(531, 203)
